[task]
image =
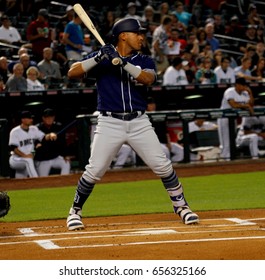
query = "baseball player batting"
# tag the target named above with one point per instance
(122, 118)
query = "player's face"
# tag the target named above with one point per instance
(240, 88)
(134, 40)
(48, 120)
(27, 121)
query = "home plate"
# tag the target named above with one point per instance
(153, 232)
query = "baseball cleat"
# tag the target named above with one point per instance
(74, 219)
(187, 216)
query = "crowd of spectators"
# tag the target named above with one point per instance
(191, 42)
(203, 35)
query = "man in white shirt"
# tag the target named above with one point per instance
(159, 44)
(209, 151)
(239, 97)
(201, 124)
(174, 74)
(252, 134)
(224, 73)
(8, 33)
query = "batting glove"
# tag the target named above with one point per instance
(100, 56)
(110, 51)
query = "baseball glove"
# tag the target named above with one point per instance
(4, 204)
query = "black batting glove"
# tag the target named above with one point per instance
(112, 54)
(100, 56)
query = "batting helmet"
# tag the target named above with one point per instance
(127, 25)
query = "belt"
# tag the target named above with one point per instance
(123, 116)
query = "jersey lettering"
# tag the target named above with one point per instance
(25, 142)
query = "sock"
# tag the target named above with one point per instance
(83, 191)
(175, 191)
(177, 197)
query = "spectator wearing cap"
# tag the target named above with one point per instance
(234, 28)
(174, 74)
(250, 37)
(8, 33)
(238, 96)
(131, 11)
(17, 82)
(39, 34)
(23, 139)
(52, 154)
(67, 17)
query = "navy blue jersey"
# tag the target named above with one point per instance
(117, 90)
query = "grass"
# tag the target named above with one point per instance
(215, 192)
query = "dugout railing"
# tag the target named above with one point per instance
(185, 116)
(84, 122)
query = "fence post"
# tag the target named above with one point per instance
(83, 129)
(4, 156)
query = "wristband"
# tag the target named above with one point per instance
(88, 64)
(132, 69)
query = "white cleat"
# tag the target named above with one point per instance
(187, 216)
(74, 221)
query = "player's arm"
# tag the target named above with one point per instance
(251, 98)
(248, 130)
(17, 151)
(237, 105)
(145, 77)
(78, 69)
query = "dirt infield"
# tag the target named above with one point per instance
(136, 174)
(228, 235)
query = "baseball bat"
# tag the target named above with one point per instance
(89, 24)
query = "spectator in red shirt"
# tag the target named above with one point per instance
(39, 34)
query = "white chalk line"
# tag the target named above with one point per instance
(160, 242)
(29, 232)
(49, 243)
(130, 234)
